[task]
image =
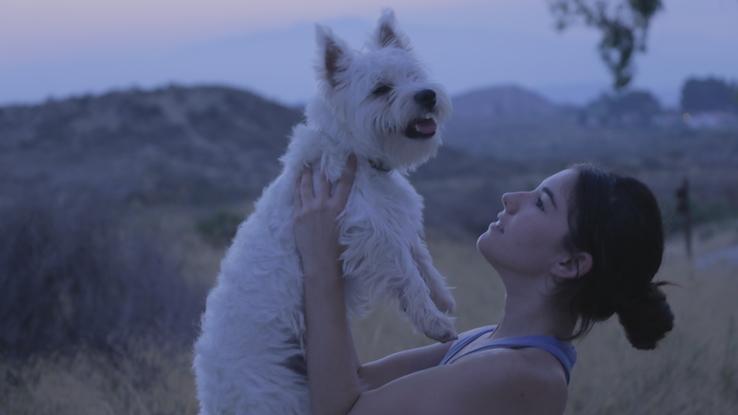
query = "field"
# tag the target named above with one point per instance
(695, 369)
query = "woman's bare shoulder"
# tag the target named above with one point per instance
(518, 380)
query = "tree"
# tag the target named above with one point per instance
(709, 94)
(624, 26)
(625, 108)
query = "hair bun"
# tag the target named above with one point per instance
(646, 316)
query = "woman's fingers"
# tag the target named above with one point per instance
(324, 187)
(343, 186)
(298, 196)
(341, 190)
(306, 185)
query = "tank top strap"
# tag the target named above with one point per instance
(564, 352)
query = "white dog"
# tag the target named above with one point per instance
(379, 105)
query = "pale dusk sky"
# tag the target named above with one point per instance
(71, 47)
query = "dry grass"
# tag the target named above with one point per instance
(695, 370)
(149, 381)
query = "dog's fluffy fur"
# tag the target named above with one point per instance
(249, 358)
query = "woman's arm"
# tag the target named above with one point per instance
(379, 372)
(332, 364)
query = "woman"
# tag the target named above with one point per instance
(582, 246)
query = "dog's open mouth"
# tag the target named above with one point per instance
(421, 128)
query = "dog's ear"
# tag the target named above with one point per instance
(387, 34)
(334, 56)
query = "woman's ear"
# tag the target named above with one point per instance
(572, 265)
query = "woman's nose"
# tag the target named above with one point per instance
(507, 202)
(510, 201)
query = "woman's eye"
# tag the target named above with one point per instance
(381, 90)
(539, 203)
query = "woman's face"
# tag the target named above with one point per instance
(527, 239)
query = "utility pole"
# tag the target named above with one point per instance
(682, 195)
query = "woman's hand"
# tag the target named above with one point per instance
(316, 228)
(330, 354)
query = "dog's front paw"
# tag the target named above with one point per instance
(444, 301)
(440, 329)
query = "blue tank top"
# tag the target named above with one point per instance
(563, 351)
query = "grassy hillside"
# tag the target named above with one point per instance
(187, 145)
(694, 370)
(140, 191)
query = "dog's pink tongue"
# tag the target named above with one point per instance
(427, 126)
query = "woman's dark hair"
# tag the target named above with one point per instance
(617, 220)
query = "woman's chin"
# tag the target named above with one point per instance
(483, 245)
(481, 239)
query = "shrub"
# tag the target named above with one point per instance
(72, 275)
(219, 228)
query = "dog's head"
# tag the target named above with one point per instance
(381, 97)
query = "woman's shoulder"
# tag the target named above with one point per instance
(516, 380)
(526, 365)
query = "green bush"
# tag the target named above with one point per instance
(220, 228)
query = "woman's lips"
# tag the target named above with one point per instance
(497, 226)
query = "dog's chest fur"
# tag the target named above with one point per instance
(383, 209)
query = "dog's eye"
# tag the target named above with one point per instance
(381, 89)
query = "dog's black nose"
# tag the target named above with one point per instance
(426, 98)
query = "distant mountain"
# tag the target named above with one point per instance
(168, 144)
(486, 120)
(506, 103)
(191, 145)
(209, 145)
